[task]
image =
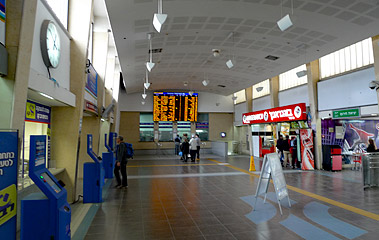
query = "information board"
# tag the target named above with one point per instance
(170, 106)
(8, 183)
(272, 168)
(2, 21)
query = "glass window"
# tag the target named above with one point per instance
(60, 8)
(349, 58)
(261, 89)
(146, 127)
(184, 127)
(202, 126)
(165, 131)
(291, 79)
(240, 97)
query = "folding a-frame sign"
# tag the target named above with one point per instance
(272, 168)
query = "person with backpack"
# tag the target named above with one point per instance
(124, 151)
(184, 147)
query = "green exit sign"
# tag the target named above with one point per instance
(347, 113)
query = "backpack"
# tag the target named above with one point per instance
(129, 150)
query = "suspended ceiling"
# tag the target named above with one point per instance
(195, 27)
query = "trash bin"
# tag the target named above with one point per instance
(370, 169)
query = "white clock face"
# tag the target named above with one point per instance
(53, 44)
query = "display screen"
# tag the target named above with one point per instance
(51, 182)
(169, 106)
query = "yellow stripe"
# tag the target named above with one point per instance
(315, 196)
(176, 165)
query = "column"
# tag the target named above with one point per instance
(313, 77)
(375, 46)
(274, 91)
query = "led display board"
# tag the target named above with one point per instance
(173, 106)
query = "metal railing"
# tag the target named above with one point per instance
(370, 167)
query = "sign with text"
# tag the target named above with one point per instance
(2, 21)
(346, 113)
(8, 183)
(90, 107)
(91, 83)
(36, 112)
(288, 113)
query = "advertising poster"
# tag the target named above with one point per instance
(91, 82)
(2, 21)
(36, 112)
(307, 157)
(8, 183)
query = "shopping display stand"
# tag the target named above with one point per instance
(272, 169)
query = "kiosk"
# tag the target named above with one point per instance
(93, 177)
(109, 157)
(46, 215)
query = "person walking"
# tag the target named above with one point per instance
(198, 146)
(193, 148)
(123, 152)
(279, 146)
(177, 145)
(286, 151)
(295, 161)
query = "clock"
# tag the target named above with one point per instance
(50, 44)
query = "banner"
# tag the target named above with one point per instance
(91, 83)
(288, 113)
(36, 112)
(8, 183)
(307, 158)
(2, 21)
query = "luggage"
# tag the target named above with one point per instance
(336, 163)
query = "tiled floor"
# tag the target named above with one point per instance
(206, 201)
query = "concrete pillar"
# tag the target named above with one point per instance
(100, 53)
(313, 74)
(375, 46)
(274, 91)
(68, 121)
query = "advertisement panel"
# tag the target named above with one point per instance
(8, 183)
(91, 82)
(288, 113)
(36, 112)
(306, 143)
(2, 21)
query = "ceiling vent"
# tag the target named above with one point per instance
(272, 58)
(155, 50)
(221, 86)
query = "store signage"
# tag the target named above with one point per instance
(2, 21)
(288, 113)
(90, 107)
(346, 113)
(36, 112)
(8, 183)
(91, 83)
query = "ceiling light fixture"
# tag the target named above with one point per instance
(216, 52)
(144, 95)
(147, 84)
(205, 82)
(191, 93)
(150, 65)
(159, 18)
(285, 22)
(46, 96)
(230, 63)
(143, 102)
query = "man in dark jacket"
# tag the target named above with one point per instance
(122, 160)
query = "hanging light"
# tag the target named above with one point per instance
(191, 93)
(147, 84)
(205, 82)
(230, 63)
(144, 95)
(150, 65)
(285, 22)
(159, 18)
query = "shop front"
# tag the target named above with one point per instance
(288, 121)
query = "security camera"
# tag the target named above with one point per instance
(374, 85)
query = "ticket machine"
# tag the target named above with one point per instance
(45, 215)
(93, 176)
(109, 157)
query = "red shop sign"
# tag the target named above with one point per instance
(288, 113)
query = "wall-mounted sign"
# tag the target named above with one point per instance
(91, 83)
(346, 113)
(90, 107)
(36, 112)
(288, 113)
(2, 21)
(8, 183)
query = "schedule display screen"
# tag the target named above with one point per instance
(169, 106)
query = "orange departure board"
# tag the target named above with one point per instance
(170, 106)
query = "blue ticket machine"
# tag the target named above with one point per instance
(46, 215)
(93, 177)
(109, 157)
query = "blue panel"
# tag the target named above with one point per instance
(108, 163)
(305, 229)
(263, 212)
(318, 213)
(272, 197)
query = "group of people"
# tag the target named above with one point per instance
(288, 151)
(188, 148)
